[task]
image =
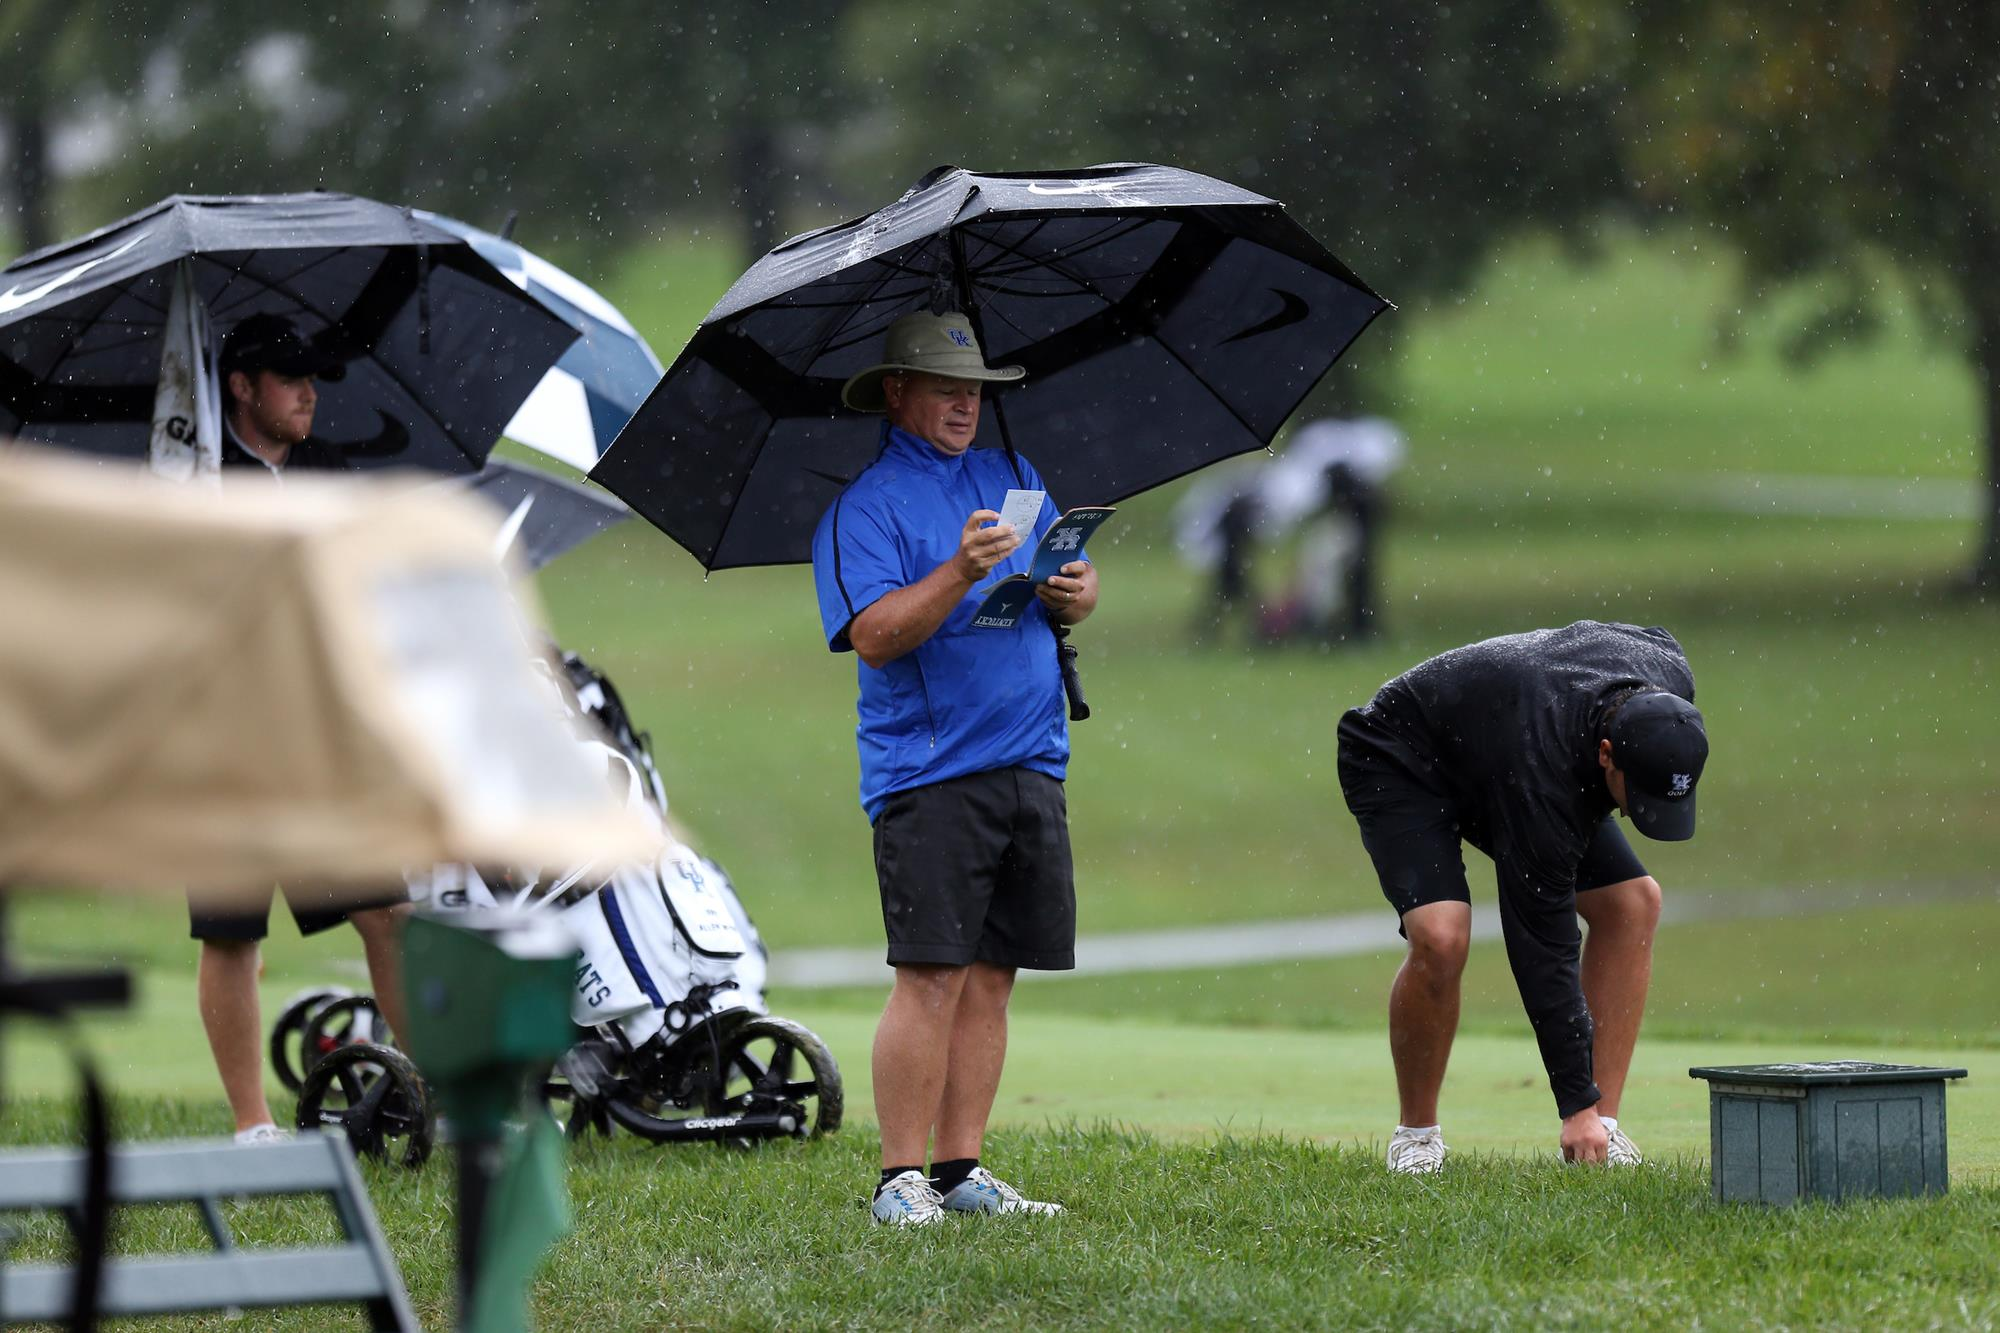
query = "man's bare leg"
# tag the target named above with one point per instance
(1617, 970)
(226, 989)
(978, 1051)
(912, 1047)
(1423, 1005)
(381, 932)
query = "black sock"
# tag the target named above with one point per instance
(889, 1173)
(948, 1176)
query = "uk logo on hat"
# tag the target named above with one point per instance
(961, 337)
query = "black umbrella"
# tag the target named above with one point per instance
(440, 347)
(1166, 319)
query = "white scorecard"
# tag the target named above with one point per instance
(1019, 512)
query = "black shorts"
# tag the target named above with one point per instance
(978, 868)
(311, 909)
(1413, 831)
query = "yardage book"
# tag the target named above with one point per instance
(1004, 602)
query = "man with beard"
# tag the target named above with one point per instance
(269, 393)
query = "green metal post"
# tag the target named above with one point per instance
(488, 1003)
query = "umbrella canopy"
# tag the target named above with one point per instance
(544, 516)
(316, 683)
(1166, 320)
(585, 400)
(440, 347)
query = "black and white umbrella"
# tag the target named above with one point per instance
(579, 407)
(544, 516)
(440, 347)
(1166, 320)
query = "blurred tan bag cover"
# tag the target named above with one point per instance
(314, 684)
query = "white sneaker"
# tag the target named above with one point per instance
(984, 1192)
(1621, 1151)
(1417, 1152)
(258, 1135)
(907, 1201)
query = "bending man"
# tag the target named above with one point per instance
(1523, 746)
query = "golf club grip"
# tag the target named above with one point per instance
(1079, 709)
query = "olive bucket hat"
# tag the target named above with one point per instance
(933, 344)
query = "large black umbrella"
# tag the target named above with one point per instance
(440, 347)
(1166, 320)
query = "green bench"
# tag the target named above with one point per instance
(359, 1270)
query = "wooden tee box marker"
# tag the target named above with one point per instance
(1837, 1129)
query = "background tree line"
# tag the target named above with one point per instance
(1830, 140)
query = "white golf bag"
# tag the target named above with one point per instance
(660, 945)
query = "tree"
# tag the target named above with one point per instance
(1824, 137)
(1410, 138)
(54, 51)
(591, 121)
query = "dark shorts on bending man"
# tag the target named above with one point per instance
(1413, 830)
(977, 868)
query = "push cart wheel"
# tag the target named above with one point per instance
(347, 1021)
(288, 1033)
(773, 1062)
(373, 1095)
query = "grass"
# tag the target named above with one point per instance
(1231, 1231)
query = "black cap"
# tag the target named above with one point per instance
(269, 342)
(1659, 743)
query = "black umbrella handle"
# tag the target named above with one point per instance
(1066, 663)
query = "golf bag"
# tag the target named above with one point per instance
(675, 1038)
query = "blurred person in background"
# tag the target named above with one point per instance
(1334, 476)
(1330, 488)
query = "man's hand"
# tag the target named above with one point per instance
(981, 547)
(1584, 1138)
(1069, 594)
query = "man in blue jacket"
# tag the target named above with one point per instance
(964, 747)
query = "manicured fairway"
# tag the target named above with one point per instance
(1176, 1079)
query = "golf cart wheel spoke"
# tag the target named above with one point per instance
(350, 1086)
(370, 1104)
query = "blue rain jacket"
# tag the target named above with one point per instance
(965, 700)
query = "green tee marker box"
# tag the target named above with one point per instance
(1839, 1129)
